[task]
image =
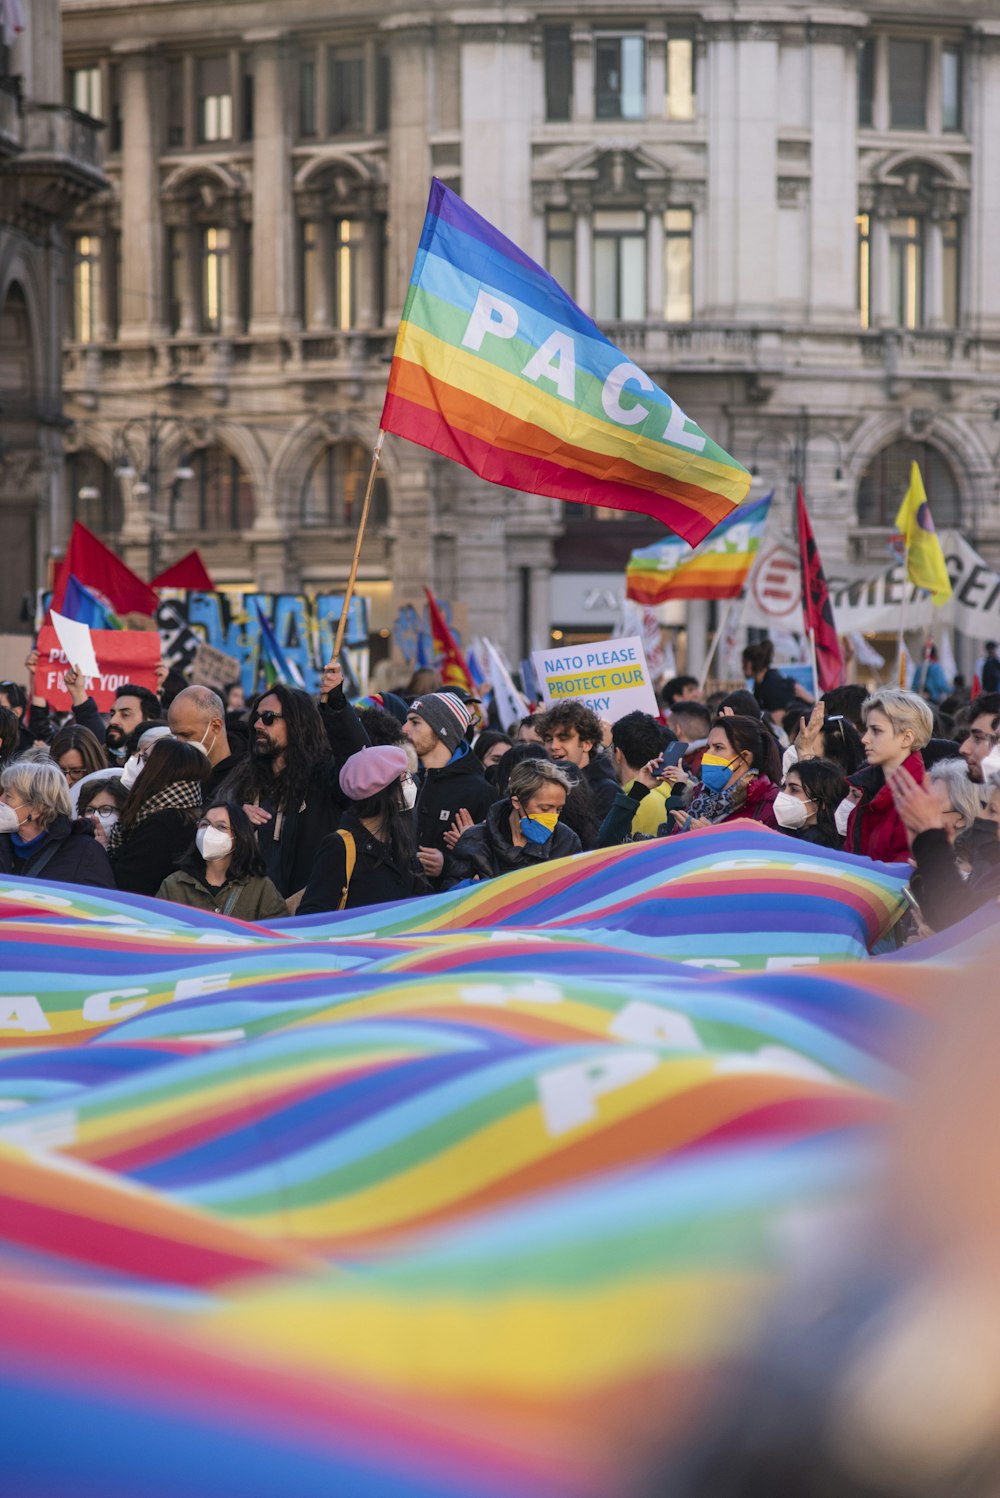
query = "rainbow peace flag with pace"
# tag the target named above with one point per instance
(497, 368)
(479, 1203)
(718, 568)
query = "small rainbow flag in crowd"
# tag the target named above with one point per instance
(717, 569)
(497, 368)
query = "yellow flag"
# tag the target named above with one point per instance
(925, 565)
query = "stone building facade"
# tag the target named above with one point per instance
(49, 165)
(785, 214)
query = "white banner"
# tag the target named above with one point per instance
(610, 676)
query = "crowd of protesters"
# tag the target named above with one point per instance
(295, 804)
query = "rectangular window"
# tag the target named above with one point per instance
(906, 271)
(558, 73)
(383, 90)
(85, 91)
(950, 247)
(347, 92)
(113, 272)
(307, 97)
(310, 274)
(175, 103)
(620, 77)
(866, 83)
(215, 99)
(175, 278)
(864, 289)
(86, 288)
(560, 247)
(620, 265)
(115, 109)
(678, 264)
(951, 88)
(247, 99)
(346, 245)
(215, 278)
(680, 78)
(907, 84)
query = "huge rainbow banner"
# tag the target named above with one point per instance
(717, 568)
(497, 368)
(473, 1196)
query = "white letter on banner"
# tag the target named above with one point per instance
(198, 987)
(22, 1011)
(675, 431)
(97, 1008)
(620, 376)
(648, 1022)
(568, 1094)
(489, 315)
(555, 361)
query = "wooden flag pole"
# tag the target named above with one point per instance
(716, 638)
(815, 667)
(901, 665)
(352, 579)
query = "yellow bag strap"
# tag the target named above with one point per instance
(351, 857)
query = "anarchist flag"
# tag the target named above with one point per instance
(817, 610)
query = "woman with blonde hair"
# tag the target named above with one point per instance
(39, 839)
(520, 831)
(898, 725)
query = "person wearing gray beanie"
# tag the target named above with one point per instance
(451, 779)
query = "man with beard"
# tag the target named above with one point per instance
(981, 736)
(289, 784)
(133, 705)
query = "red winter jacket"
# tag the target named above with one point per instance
(874, 828)
(758, 806)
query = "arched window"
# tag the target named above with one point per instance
(887, 478)
(334, 490)
(218, 496)
(94, 496)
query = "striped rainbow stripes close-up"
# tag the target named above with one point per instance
(496, 367)
(718, 568)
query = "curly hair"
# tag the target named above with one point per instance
(572, 717)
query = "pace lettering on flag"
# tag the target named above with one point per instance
(717, 568)
(925, 564)
(817, 610)
(497, 368)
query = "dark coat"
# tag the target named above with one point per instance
(487, 850)
(376, 879)
(943, 895)
(600, 776)
(150, 852)
(819, 837)
(874, 827)
(79, 858)
(443, 793)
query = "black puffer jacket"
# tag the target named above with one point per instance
(69, 854)
(487, 850)
(376, 879)
(443, 793)
(943, 895)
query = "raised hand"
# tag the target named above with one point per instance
(917, 808)
(330, 680)
(462, 822)
(807, 742)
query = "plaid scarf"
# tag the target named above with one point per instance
(185, 795)
(716, 805)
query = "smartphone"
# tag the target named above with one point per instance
(671, 756)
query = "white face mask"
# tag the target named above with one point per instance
(132, 771)
(106, 818)
(9, 820)
(206, 749)
(991, 764)
(409, 792)
(789, 811)
(212, 842)
(843, 815)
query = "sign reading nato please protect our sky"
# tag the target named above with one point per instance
(610, 676)
(497, 368)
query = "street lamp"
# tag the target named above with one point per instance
(138, 459)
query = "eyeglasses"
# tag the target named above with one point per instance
(978, 737)
(72, 773)
(102, 811)
(267, 717)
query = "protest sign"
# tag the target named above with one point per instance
(75, 639)
(610, 676)
(214, 668)
(123, 655)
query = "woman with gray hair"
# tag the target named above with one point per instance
(38, 837)
(520, 831)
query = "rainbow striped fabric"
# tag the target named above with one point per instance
(425, 1209)
(498, 369)
(717, 569)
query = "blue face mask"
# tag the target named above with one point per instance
(540, 827)
(716, 772)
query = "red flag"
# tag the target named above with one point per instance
(92, 564)
(817, 609)
(188, 572)
(454, 671)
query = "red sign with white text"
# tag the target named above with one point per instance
(124, 655)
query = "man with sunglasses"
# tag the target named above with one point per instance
(981, 736)
(289, 782)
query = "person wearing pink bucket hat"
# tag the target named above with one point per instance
(371, 858)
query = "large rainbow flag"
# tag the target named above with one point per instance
(479, 1204)
(718, 568)
(497, 368)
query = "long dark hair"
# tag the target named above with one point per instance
(825, 783)
(396, 830)
(10, 735)
(169, 762)
(749, 736)
(306, 749)
(76, 736)
(499, 774)
(487, 740)
(246, 861)
(842, 744)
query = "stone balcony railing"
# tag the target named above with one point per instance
(11, 143)
(56, 167)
